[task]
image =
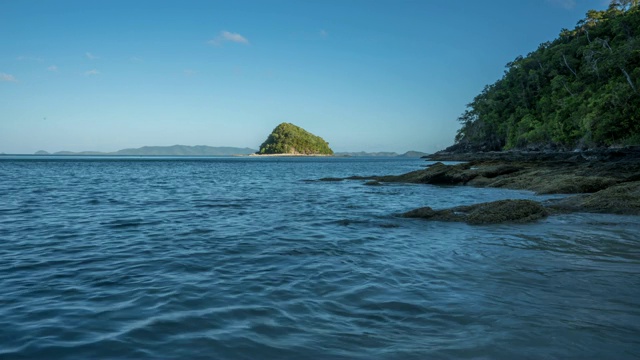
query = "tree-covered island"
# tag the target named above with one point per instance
(289, 139)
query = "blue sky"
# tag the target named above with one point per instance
(363, 74)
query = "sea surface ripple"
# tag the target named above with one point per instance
(246, 258)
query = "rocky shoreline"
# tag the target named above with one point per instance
(629, 153)
(605, 181)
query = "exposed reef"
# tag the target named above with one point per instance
(600, 182)
(618, 199)
(517, 211)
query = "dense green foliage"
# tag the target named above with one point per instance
(290, 139)
(578, 91)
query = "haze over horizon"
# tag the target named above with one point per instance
(364, 75)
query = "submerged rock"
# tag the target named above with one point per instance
(514, 211)
(373, 183)
(331, 179)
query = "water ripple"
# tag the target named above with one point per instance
(240, 258)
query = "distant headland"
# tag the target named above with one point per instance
(408, 154)
(175, 150)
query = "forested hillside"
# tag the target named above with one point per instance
(579, 91)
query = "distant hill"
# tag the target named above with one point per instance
(203, 150)
(183, 150)
(363, 153)
(416, 154)
(287, 138)
(78, 153)
(175, 150)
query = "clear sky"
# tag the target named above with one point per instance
(365, 75)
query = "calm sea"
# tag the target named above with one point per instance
(249, 258)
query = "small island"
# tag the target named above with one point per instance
(289, 139)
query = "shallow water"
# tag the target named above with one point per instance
(244, 258)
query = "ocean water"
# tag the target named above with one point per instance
(251, 258)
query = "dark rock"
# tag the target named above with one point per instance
(513, 211)
(437, 173)
(607, 178)
(423, 212)
(611, 154)
(568, 184)
(519, 211)
(491, 172)
(618, 199)
(360, 177)
(373, 183)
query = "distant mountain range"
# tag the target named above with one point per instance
(383, 153)
(203, 150)
(175, 150)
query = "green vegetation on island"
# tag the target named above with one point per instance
(579, 91)
(290, 139)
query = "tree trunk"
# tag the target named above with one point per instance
(568, 67)
(628, 79)
(567, 88)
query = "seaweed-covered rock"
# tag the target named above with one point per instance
(570, 184)
(373, 183)
(437, 174)
(520, 211)
(492, 171)
(607, 180)
(618, 199)
(331, 179)
(514, 211)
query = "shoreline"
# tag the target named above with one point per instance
(624, 153)
(602, 181)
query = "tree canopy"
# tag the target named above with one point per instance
(580, 90)
(287, 138)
